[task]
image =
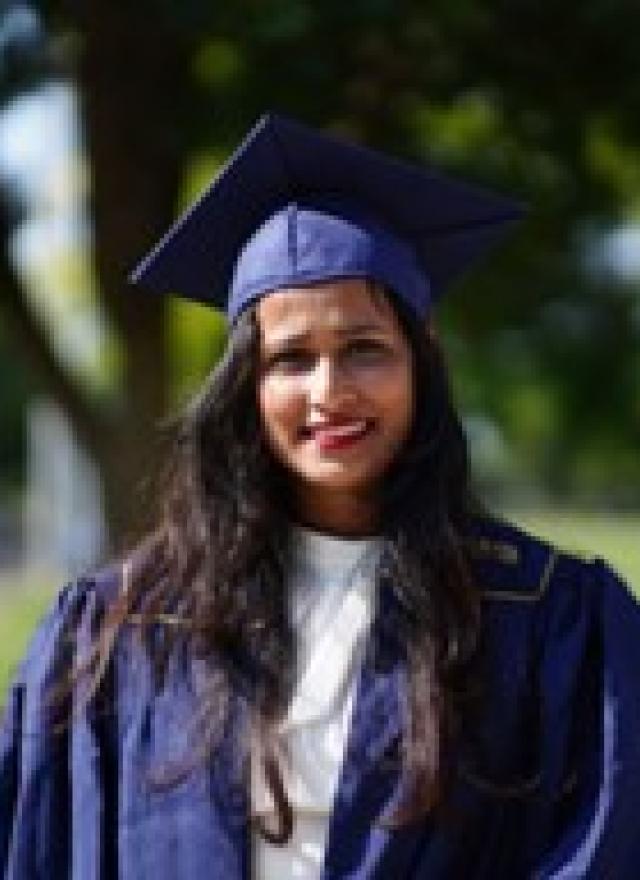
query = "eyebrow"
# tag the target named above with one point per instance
(348, 330)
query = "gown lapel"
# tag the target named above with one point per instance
(369, 783)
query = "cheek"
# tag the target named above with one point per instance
(397, 398)
(279, 408)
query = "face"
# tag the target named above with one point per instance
(335, 386)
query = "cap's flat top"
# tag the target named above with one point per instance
(449, 223)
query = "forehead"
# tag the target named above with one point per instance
(341, 306)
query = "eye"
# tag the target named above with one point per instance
(291, 359)
(366, 348)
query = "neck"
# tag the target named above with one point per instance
(346, 514)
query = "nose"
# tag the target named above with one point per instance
(327, 384)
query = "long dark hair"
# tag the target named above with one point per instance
(216, 567)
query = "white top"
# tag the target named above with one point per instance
(332, 603)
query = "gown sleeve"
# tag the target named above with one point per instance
(598, 818)
(37, 808)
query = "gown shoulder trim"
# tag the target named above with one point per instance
(510, 564)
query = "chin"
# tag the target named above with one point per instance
(338, 480)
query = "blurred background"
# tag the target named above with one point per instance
(115, 115)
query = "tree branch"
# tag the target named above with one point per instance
(31, 341)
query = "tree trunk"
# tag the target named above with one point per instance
(129, 73)
(128, 78)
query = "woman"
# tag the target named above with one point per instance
(326, 661)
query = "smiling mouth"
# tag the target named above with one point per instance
(338, 435)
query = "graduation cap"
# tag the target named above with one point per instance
(294, 206)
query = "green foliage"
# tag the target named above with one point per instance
(197, 337)
(536, 98)
(20, 610)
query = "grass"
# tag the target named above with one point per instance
(616, 539)
(20, 610)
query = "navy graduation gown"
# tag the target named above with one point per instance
(547, 783)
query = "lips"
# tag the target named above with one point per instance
(338, 434)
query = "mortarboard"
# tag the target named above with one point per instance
(294, 206)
